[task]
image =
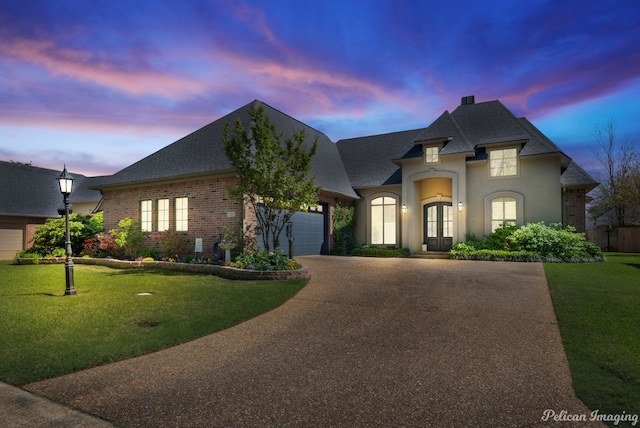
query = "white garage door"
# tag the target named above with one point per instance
(10, 243)
(308, 234)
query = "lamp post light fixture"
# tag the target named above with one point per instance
(65, 180)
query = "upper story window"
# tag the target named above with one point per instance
(182, 214)
(503, 162)
(163, 215)
(431, 154)
(146, 216)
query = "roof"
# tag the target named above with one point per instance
(368, 160)
(31, 191)
(202, 152)
(575, 176)
(469, 130)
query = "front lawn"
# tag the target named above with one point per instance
(598, 311)
(45, 334)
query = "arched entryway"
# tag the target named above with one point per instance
(438, 226)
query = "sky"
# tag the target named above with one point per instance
(100, 85)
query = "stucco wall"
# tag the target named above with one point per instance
(363, 213)
(538, 183)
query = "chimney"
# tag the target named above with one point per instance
(471, 99)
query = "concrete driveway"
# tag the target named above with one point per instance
(369, 342)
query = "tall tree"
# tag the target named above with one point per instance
(274, 172)
(617, 198)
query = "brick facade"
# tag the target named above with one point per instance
(210, 207)
(574, 208)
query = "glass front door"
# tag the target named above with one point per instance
(438, 226)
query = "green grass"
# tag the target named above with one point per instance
(598, 311)
(45, 334)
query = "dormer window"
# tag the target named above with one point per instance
(431, 154)
(503, 162)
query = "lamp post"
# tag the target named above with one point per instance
(65, 180)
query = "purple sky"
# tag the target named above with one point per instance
(100, 85)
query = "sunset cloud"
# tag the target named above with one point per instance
(130, 77)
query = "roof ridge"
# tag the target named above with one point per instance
(383, 134)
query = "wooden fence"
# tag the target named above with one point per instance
(622, 239)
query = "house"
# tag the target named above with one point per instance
(465, 174)
(183, 187)
(29, 196)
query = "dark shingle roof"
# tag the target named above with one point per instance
(369, 160)
(469, 129)
(575, 176)
(202, 152)
(34, 192)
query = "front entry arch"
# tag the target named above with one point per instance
(438, 226)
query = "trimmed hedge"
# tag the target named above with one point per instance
(381, 252)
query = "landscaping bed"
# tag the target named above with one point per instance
(226, 272)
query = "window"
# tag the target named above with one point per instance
(503, 210)
(383, 221)
(503, 163)
(182, 214)
(431, 154)
(163, 215)
(146, 215)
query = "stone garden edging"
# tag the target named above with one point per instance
(221, 271)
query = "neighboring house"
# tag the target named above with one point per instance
(29, 196)
(465, 174)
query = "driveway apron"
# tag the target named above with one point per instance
(368, 342)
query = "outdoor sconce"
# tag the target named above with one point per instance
(404, 208)
(65, 181)
(460, 205)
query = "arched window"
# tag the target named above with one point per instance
(503, 210)
(383, 220)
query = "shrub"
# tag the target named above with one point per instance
(264, 260)
(532, 242)
(553, 241)
(51, 235)
(373, 251)
(172, 243)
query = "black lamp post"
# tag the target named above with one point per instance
(65, 180)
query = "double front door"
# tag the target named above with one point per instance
(438, 226)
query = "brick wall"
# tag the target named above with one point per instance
(209, 208)
(574, 203)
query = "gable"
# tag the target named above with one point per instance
(202, 152)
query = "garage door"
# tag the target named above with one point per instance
(10, 243)
(308, 234)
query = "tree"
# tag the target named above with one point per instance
(274, 172)
(617, 198)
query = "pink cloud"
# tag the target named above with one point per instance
(83, 66)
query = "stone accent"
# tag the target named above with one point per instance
(221, 271)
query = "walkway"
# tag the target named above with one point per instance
(369, 342)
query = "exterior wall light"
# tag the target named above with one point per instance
(460, 206)
(404, 208)
(65, 180)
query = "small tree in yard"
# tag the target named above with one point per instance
(274, 172)
(617, 199)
